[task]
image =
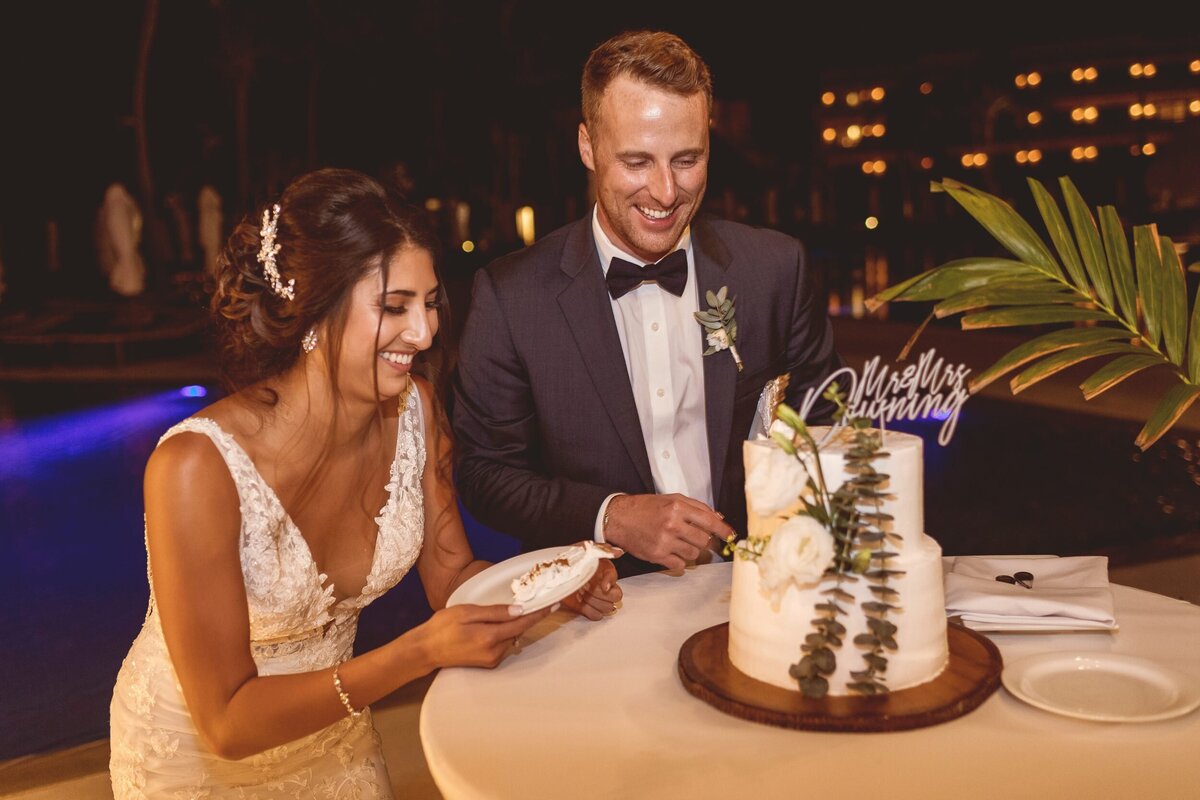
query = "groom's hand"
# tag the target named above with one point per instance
(667, 529)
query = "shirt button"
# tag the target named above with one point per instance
(660, 393)
(653, 326)
(666, 454)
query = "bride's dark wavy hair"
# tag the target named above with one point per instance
(335, 227)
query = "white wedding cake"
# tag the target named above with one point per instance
(774, 595)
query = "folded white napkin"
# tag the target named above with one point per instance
(1065, 593)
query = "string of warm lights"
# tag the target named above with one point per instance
(1164, 105)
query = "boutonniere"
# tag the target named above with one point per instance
(720, 327)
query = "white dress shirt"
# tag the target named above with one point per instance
(662, 346)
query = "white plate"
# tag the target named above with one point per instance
(493, 586)
(1102, 686)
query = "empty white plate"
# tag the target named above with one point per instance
(1108, 687)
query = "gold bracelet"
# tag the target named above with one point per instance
(345, 698)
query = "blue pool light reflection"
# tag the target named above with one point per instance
(71, 539)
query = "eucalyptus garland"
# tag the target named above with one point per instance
(854, 517)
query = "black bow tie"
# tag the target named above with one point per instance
(669, 273)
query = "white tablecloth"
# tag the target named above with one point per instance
(591, 710)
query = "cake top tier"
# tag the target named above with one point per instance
(837, 442)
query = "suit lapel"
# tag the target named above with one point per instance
(585, 305)
(720, 373)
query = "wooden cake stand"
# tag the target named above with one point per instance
(969, 678)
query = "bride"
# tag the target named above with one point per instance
(276, 514)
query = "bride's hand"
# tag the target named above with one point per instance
(600, 596)
(475, 636)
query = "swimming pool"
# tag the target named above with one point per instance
(1015, 479)
(71, 462)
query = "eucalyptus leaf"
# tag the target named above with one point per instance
(1174, 403)
(712, 298)
(721, 295)
(1090, 246)
(1066, 358)
(864, 687)
(1116, 371)
(876, 661)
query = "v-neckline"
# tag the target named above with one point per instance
(324, 582)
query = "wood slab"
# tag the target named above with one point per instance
(970, 677)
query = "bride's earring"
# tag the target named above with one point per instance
(309, 342)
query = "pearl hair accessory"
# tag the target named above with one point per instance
(309, 342)
(266, 255)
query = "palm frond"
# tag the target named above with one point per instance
(1135, 302)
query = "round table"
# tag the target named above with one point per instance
(597, 710)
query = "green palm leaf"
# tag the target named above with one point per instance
(1116, 247)
(1000, 220)
(1176, 401)
(1193, 367)
(1060, 361)
(1044, 345)
(1059, 234)
(1149, 270)
(1139, 303)
(1090, 246)
(1173, 298)
(954, 278)
(1031, 315)
(1116, 371)
(1034, 296)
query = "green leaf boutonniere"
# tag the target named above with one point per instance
(720, 328)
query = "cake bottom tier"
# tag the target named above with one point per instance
(765, 641)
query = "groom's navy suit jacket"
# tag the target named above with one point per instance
(544, 416)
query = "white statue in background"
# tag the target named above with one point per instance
(118, 234)
(209, 227)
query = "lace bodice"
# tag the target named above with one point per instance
(296, 625)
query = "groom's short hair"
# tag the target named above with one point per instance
(657, 58)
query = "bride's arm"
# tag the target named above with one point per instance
(193, 525)
(446, 559)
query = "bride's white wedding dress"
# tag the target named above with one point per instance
(296, 625)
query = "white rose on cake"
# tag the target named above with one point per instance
(799, 552)
(774, 480)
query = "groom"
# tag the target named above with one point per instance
(585, 406)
